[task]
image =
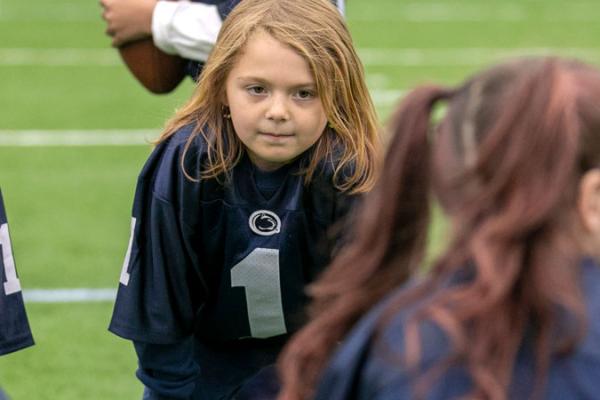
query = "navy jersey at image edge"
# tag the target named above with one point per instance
(15, 333)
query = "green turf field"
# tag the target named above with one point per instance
(69, 206)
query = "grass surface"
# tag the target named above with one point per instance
(74, 357)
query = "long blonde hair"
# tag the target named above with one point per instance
(316, 30)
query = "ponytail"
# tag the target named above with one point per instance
(386, 246)
(514, 230)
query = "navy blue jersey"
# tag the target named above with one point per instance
(224, 260)
(14, 328)
(368, 366)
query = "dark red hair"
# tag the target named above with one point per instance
(504, 163)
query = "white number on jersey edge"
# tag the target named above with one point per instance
(124, 279)
(12, 284)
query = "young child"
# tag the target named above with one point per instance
(14, 327)
(232, 209)
(509, 309)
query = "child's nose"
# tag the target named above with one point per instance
(278, 108)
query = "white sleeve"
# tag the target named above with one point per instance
(341, 5)
(186, 29)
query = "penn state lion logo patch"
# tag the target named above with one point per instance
(264, 223)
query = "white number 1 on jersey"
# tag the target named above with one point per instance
(124, 279)
(12, 284)
(259, 274)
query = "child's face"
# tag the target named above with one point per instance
(275, 109)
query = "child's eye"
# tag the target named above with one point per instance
(305, 94)
(256, 90)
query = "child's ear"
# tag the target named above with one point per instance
(223, 99)
(589, 201)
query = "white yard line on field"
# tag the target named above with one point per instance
(79, 57)
(122, 137)
(59, 57)
(75, 11)
(76, 295)
(385, 97)
(462, 56)
(467, 12)
(441, 12)
(415, 11)
(106, 137)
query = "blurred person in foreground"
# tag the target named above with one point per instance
(509, 310)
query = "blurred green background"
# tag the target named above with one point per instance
(69, 205)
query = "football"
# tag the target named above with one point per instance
(156, 70)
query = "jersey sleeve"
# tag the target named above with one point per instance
(161, 288)
(15, 333)
(370, 363)
(186, 29)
